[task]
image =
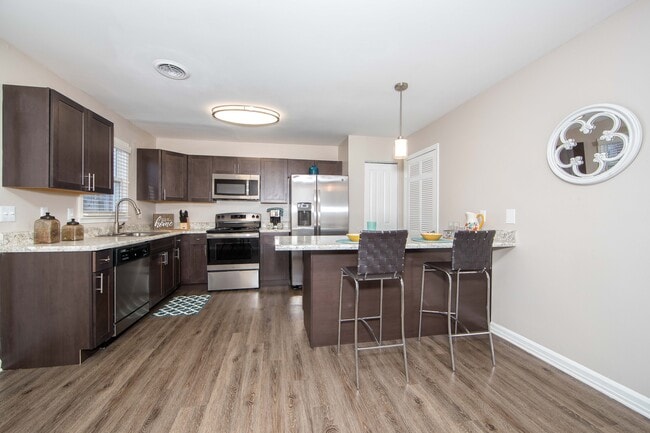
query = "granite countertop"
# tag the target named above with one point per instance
(504, 239)
(283, 230)
(92, 243)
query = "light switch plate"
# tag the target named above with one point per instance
(7, 213)
(510, 216)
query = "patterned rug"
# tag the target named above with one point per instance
(183, 306)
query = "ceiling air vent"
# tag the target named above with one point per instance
(170, 69)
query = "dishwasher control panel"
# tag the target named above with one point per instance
(132, 252)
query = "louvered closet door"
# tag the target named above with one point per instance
(422, 191)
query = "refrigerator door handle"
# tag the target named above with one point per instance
(318, 212)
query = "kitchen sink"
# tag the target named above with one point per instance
(138, 234)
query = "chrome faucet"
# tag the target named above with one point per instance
(117, 225)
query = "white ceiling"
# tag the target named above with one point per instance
(328, 67)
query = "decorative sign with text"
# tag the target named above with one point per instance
(163, 221)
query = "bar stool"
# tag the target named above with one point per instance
(471, 253)
(380, 257)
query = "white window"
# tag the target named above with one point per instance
(101, 207)
(422, 191)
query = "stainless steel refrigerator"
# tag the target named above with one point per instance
(319, 206)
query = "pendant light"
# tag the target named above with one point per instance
(400, 151)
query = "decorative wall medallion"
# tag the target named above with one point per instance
(594, 143)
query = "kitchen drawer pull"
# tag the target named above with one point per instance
(105, 260)
(100, 289)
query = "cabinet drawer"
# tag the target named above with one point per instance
(194, 239)
(162, 244)
(102, 260)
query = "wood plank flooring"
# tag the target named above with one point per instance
(243, 364)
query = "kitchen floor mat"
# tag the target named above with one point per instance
(183, 306)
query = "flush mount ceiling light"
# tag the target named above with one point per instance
(400, 151)
(248, 115)
(171, 69)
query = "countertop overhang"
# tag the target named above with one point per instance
(504, 239)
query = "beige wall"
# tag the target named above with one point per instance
(16, 68)
(261, 150)
(362, 149)
(576, 283)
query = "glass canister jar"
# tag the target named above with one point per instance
(47, 229)
(72, 231)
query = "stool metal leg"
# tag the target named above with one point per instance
(421, 305)
(338, 343)
(449, 334)
(381, 311)
(406, 365)
(356, 330)
(457, 300)
(489, 296)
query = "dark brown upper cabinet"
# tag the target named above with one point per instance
(199, 178)
(301, 166)
(50, 141)
(162, 175)
(274, 181)
(235, 165)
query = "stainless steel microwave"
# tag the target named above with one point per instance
(235, 187)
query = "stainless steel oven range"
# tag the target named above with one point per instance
(234, 252)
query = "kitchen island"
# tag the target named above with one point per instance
(323, 257)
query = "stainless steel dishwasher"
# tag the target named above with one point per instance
(131, 285)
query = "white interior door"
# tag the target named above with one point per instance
(380, 195)
(422, 191)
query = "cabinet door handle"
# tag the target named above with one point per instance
(177, 253)
(89, 185)
(106, 260)
(164, 194)
(165, 258)
(93, 181)
(100, 289)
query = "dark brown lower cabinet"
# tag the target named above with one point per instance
(274, 265)
(161, 270)
(55, 308)
(195, 260)
(103, 298)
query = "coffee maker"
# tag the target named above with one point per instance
(275, 216)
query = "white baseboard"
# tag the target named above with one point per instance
(624, 395)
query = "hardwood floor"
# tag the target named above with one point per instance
(243, 364)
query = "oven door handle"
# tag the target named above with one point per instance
(233, 235)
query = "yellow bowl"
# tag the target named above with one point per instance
(431, 236)
(354, 237)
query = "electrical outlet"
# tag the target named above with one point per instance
(7, 213)
(510, 216)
